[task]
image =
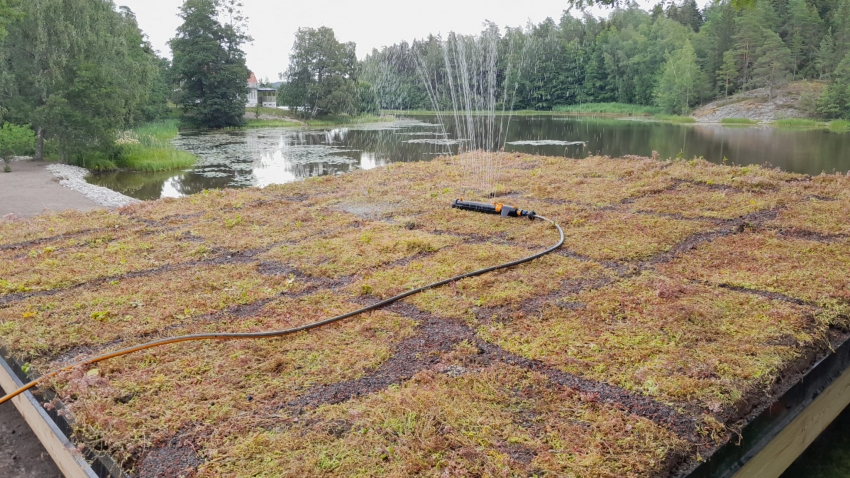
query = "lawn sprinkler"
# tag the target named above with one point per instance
(496, 208)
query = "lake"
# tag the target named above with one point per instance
(259, 157)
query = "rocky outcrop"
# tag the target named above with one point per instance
(790, 101)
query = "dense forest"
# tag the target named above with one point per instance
(75, 69)
(675, 57)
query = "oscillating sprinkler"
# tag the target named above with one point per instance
(496, 208)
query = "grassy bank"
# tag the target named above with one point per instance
(611, 111)
(839, 126)
(262, 123)
(609, 108)
(144, 148)
(798, 123)
(148, 148)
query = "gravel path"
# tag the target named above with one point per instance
(30, 189)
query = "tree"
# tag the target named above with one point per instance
(773, 66)
(687, 14)
(749, 38)
(56, 45)
(82, 115)
(835, 99)
(367, 99)
(209, 64)
(715, 38)
(825, 60)
(802, 35)
(322, 74)
(679, 81)
(728, 72)
(9, 12)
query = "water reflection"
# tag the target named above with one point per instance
(275, 156)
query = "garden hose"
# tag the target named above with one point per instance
(505, 211)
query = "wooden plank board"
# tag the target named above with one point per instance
(793, 440)
(68, 459)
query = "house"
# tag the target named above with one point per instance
(263, 96)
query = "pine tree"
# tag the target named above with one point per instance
(825, 61)
(802, 36)
(836, 43)
(773, 66)
(727, 75)
(209, 64)
(749, 37)
(835, 100)
(841, 29)
(716, 38)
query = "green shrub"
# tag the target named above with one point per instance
(16, 140)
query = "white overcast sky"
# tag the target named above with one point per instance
(368, 23)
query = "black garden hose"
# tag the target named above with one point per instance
(281, 333)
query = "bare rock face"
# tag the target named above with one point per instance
(789, 101)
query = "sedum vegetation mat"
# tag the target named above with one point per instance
(686, 297)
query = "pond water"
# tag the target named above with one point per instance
(259, 157)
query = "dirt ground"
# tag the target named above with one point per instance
(30, 190)
(21, 454)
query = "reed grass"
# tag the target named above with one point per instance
(148, 148)
(609, 108)
(738, 121)
(839, 126)
(260, 123)
(797, 122)
(675, 118)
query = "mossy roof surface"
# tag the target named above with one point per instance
(685, 296)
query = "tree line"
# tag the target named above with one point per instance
(77, 72)
(675, 57)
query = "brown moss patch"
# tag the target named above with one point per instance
(678, 342)
(816, 215)
(694, 201)
(500, 421)
(809, 270)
